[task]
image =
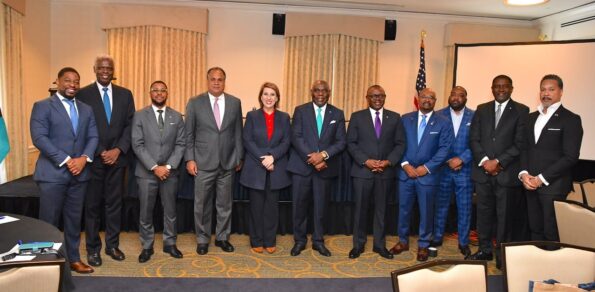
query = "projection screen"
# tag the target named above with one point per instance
(526, 63)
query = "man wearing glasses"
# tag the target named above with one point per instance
(429, 139)
(159, 143)
(376, 142)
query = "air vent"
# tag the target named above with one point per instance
(570, 23)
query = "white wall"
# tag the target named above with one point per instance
(551, 26)
(241, 42)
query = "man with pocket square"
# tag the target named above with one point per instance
(429, 140)
(318, 138)
(456, 173)
(554, 135)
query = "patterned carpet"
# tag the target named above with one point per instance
(243, 263)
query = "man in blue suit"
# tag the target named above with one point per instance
(318, 138)
(429, 139)
(456, 173)
(64, 131)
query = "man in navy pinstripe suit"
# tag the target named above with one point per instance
(456, 175)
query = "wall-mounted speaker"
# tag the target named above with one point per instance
(390, 30)
(278, 24)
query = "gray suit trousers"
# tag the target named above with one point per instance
(216, 182)
(149, 188)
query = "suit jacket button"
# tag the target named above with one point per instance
(494, 139)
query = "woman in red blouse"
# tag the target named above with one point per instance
(266, 138)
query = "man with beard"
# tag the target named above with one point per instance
(113, 107)
(429, 138)
(554, 135)
(158, 141)
(456, 173)
(376, 142)
(496, 141)
(318, 138)
(64, 131)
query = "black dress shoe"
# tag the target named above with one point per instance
(437, 243)
(322, 250)
(173, 251)
(481, 256)
(383, 252)
(297, 249)
(224, 245)
(94, 259)
(465, 251)
(202, 248)
(145, 255)
(115, 253)
(355, 253)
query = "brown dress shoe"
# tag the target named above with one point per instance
(422, 254)
(257, 249)
(271, 249)
(81, 268)
(399, 248)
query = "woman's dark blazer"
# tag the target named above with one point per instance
(257, 144)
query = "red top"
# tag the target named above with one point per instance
(269, 120)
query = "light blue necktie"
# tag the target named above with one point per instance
(74, 117)
(422, 127)
(319, 120)
(106, 105)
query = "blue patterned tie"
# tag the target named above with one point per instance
(106, 105)
(74, 116)
(319, 120)
(422, 127)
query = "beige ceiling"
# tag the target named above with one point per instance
(482, 8)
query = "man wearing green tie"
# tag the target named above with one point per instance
(318, 138)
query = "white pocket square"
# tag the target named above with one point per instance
(553, 129)
(332, 122)
(434, 133)
(172, 123)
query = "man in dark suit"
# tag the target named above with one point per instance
(64, 131)
(429, 137)
(496, 139)
(554, 135)
(159, 142)
(214, 152)
(318, 138)
(113, 107)
(456, 173)
(376, 142)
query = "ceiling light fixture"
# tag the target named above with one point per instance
(524, 2)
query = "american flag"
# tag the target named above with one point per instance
(420, 83)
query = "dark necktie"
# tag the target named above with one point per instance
(160, 120)
(377, 125)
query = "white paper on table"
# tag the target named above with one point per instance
(7, 219)
(19, 258)
(57, 245)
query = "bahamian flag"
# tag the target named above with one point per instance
(4, 145)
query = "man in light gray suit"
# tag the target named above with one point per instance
(158, 140)
(214, 152)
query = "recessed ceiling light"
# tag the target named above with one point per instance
(524, 2)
